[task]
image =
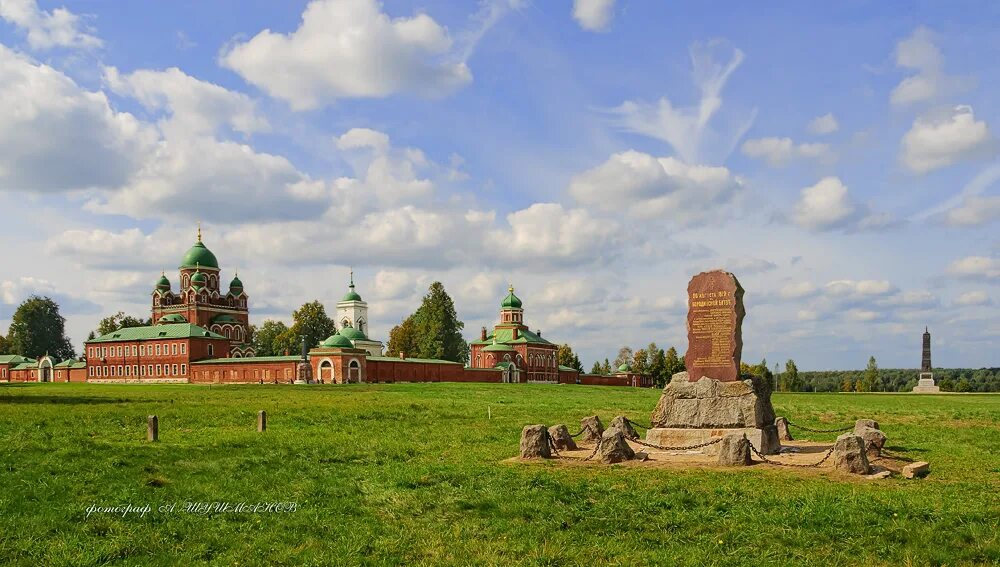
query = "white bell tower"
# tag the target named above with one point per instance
(352, 311)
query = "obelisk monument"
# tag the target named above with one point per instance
(926, 383)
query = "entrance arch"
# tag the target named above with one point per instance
(354, 372)
(326, 374)
(45, 369)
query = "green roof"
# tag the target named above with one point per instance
(14, 359)
(421, 360)
(163, 282)
(157, 332)
(625, 367)
(71, 363)
(172, 318)
(352, 333)
(351, 295)
(249, 359)
(499, 347)
(504, 364)
(336, 341)
(506, 335)
(199, 256)
(567, 368)
(199, 278)
(511, 301)
(237, 283)
(25, 366)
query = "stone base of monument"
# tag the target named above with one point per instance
(926, 385)
(763, 439)
(691, 413)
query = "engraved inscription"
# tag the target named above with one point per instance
(715, 313)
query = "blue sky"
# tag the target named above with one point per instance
(840, 159)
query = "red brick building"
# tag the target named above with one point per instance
(523, 356)
(200, 300)
(158, 353)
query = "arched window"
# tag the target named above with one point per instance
(361, 325)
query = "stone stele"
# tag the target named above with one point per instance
(690, 413)
(715, 317)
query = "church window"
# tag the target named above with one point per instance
(211, 350)
(183, 348)
(157, 349)
(174, 369)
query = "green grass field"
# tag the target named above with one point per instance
(415, 474)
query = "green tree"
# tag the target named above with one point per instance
(624, 355)
(403, 339)
(658, 367)
(606, 368)
(567, 357)
(3, 345)
(847, 384)
(674, 363)
(266, 338)
(639, 364)
(963, 386)
(37, 329)
(790, 381)
(595, 369)
(438, 329)
(309, 321)
(871, 378)
(120, 321)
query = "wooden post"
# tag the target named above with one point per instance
(261, 421)
(152, 428)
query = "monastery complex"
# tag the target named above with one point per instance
(202, 334)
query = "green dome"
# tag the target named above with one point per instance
(172, 318)
(225, 318)
(352, 334)
(625, 368)
(199, 256)
(199, 278)
(163, 283)
(511, 301)
(336, 341)
(236, 283)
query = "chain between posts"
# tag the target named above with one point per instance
(821, 430)
(801, 466)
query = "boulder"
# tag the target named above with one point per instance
(592, 429)
(614, 448)
(865, 423)
(535, 442)
(849, 454)
(621, 423)
(710, 403)
(914, 470)
(783, 433)
(561, 439)
(734, 450)
(874, 440)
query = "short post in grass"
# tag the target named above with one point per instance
(261, 421)
(152, 428)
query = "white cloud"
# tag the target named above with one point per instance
(974, 211)
(826, 124)
(828, 206)
(858, 289)
(195, 106)
(781, 151)
(45, 30)
(363, 138)
(862, 315)
(686, 129)
(593, 15)
(56, 136)
(349, 49)
(797, 290)
(975, 267)
(647, 187)
(919, 52)
(106, 249)
(974, 298)
(394, 284)
(548, 234)
(943, 138)
(748, 265)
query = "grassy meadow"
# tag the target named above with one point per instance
(415, 474)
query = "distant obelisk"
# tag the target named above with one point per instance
(926, 383)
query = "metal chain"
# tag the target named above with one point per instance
(639, 425)
(596, 449)
(669, 448)
(820, 430)
(801, 466)
(552, 445)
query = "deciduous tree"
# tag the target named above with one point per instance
(120, 321)
(37, 329)
(402, 339)
(266, 338)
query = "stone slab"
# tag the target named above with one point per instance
(917, 469)
(764, 439)
(714, 321)
(714, 404)
(926, 389)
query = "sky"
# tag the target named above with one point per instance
(840, 158)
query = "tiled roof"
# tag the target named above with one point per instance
(506, 336)
(157, 332)
(14, 359)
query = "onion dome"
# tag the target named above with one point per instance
(172, 318)
(198, 255)
(236, 286)
(625, 367)
(511, 301)
(353, 334)
(336, 341)
(199, 279)
(163, 284)
(351, 295)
